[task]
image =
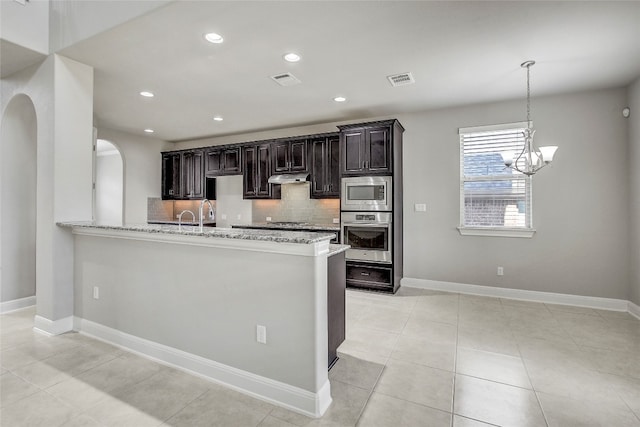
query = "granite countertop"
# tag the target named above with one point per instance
(290, 226)
(279, 236)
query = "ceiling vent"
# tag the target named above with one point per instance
(286, 79)
(401, 79)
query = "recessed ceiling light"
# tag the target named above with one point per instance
(218, 119)
(339, 99)
(291, 57)
(147, 94)
(148, 130)
(213, 38)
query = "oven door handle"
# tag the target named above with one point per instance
(367, 224)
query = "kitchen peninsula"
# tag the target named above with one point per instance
(196, 300)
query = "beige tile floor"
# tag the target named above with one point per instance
(418, 358)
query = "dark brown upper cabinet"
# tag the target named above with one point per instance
(325, 167)
(171, 174)
(192, 174)
(366, 149)
(256, 163)
(289, 156)
(223, 161)
(182, 175)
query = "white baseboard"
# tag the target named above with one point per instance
(519, 294)
(634, 310)
(281, 394)
(53, 327)
(17, 304)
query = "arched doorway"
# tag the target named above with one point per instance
(109, 184)
(18, 145)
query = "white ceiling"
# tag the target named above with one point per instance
(458, 52)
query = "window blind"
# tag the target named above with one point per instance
(491, 195)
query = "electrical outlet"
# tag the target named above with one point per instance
(96, 292)
(420, 207)
(261, 334)
(223, 216)
(239, 216)
(500, 271)
(336, 220)
(268, 218)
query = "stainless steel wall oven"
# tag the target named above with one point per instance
(370, 235)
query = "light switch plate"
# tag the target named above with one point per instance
(261, 334)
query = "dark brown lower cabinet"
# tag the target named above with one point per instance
(372, 276)
(335, 304)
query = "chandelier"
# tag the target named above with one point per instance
(531, 159)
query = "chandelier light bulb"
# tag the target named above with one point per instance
(507, 158)
(547, 153)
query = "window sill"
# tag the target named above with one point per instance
(526, 233)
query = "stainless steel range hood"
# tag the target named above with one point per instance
(291, 178)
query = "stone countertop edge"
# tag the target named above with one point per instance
(278, 236)
(318, 227)
(189, 223)
(335, 249)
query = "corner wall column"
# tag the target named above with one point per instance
(64, 192)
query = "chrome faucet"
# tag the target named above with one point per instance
(180, 218)
(211, 215)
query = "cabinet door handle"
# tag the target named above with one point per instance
(364, 274)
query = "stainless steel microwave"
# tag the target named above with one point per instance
(366, 193)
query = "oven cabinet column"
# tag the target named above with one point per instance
(370, 149)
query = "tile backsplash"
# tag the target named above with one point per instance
(296, 205)
(158, 209)
(168, 210)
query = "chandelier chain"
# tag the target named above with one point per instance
(528, 97)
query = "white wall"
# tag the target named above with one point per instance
(62, 94)
(74, 140)
(204, 300)
(18, 207)
(142, 170)
(26, 24)
(109, 186)
(73, 21)
(580, 202)
(37, 83)
(634, 172)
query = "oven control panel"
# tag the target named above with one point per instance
(365, 217)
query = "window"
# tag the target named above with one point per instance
(494, 200)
